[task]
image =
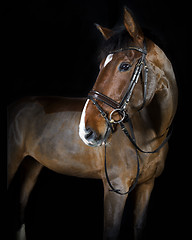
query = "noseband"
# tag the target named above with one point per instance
(95, 96)
(121, 107)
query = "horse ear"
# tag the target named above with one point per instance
(106, 32)
(132, 27)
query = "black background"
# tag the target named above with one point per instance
(51, 48)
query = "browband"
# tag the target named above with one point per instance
(144, 50)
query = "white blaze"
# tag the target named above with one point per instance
(108, 59)
(82, 129)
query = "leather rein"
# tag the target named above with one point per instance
(96, 96)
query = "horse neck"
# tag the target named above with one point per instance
(163, 106)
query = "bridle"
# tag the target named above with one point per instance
(121, 107)
(96, 96)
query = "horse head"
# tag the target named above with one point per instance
(127, 81)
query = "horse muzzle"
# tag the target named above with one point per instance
(90, 133)
(91, 138)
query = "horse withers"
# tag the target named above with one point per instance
(119, 134)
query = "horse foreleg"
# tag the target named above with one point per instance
(29, 172)
(113, 210)
(142, 196)
(15, 158)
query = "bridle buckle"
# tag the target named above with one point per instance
(122, 113)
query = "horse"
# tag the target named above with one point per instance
(119, 134)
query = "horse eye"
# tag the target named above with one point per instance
(124, 67)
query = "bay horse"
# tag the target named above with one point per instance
(119, 134)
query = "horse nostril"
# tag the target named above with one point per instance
(89, 134)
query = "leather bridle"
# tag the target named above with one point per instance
(96, 96)
(121, 107)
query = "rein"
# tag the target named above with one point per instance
(121, 109)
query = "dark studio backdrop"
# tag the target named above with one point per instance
(51, 49)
